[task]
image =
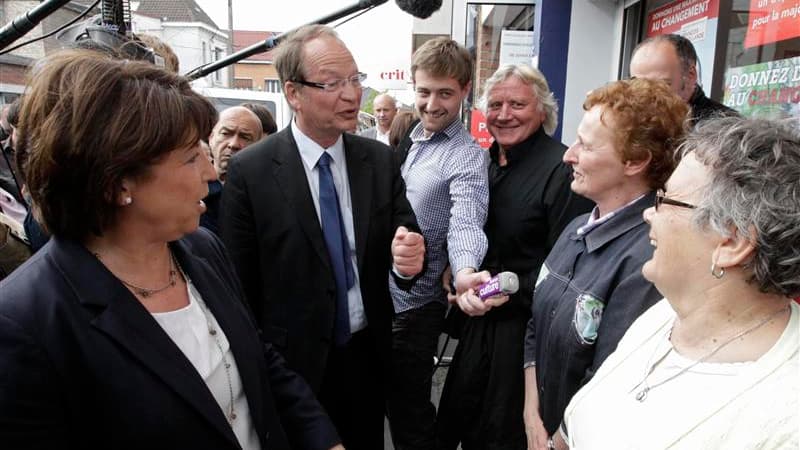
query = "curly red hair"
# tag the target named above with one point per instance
(647, 119)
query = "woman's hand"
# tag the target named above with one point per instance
(534, 429)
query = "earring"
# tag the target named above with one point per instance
(715, 274)
(127, 201)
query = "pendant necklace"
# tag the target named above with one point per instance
(641, 394)
(230, 414)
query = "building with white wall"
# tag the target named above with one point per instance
(191, 33)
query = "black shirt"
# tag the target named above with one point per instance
(530, 202)
(705, 108)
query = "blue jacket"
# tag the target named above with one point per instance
(589, 291)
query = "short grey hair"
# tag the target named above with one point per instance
(683, 48)
(290, 52)
(754, 189)
(533, 78)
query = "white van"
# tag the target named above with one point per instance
(225, 98)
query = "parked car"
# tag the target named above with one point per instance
(225, 98)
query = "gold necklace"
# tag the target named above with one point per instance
(641, 395)
(146, 292)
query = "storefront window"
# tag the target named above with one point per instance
(762, 59)
(748, 50)
(495, 35)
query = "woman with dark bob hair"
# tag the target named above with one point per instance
(128, 330)
(715, 365)
(590, 288)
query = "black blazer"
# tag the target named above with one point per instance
(271, 229)
(83, 365)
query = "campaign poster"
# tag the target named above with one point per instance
(696, 20)
(479, 130)
(767, 90)
(772, 21)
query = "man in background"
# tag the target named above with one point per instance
(385, 108)
(236, 128)
(672, 59)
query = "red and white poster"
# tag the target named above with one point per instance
(772, 21)
(478, 129)
(695, 20)
(681, 16)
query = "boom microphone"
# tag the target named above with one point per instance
(417, 8)
(504, 283)
(421, 9)
(26, 22)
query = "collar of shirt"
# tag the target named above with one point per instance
(624, 219)
(418, 134)
(383, 137)
(518, 152)
(310, 151)
(595, 221)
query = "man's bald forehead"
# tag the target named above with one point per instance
(238, 111)
(385, 98)
(240, 116)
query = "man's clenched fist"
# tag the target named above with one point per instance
(408, 252)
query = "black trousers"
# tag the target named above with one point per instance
(353, 392)
(484, 392)
(415, 336)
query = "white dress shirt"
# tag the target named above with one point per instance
(310, 153)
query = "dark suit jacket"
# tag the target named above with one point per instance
(83, 365)
(271, 229)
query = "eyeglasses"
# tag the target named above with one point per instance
(661, 198)
(336, 85)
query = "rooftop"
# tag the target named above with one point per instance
(175, 11)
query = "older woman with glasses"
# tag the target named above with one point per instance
(715, 364)
(590, 288)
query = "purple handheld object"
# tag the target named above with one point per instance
(503, 283)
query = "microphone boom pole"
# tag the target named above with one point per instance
(28, 21)
(271, 43)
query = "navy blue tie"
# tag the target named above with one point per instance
(338, 247)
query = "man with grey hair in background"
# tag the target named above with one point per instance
(671, 58)
(315, 220)
(530, 203)
(385, 108)
(236, 128)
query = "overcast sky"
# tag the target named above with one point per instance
(380, 39)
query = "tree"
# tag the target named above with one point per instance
(368, 102)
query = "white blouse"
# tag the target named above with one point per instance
(188, 328)
(751, 405)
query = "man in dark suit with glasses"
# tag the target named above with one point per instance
(316, 221)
